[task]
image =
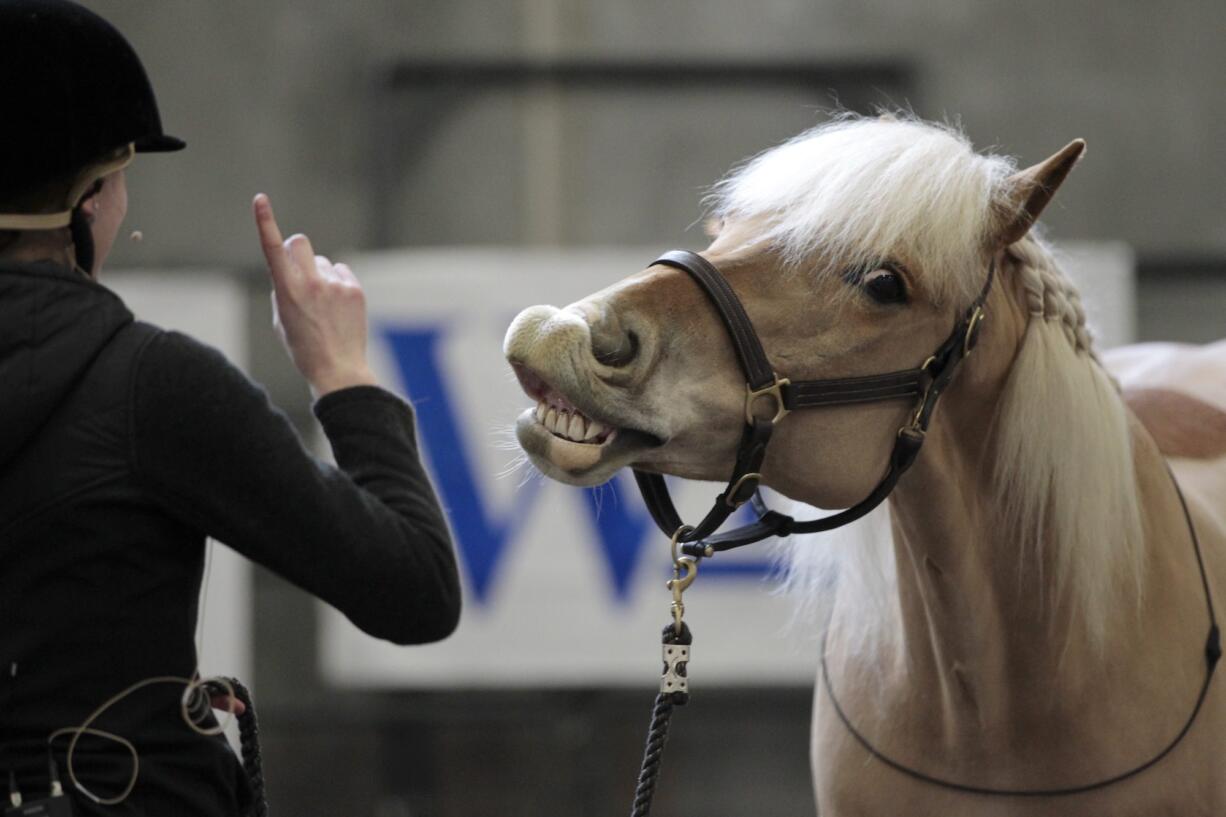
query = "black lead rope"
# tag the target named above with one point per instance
(1213, 652)
(249, 741)
(674, 691)
(248, 738)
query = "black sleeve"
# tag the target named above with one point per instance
(368, 538)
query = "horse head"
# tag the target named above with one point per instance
(854, 249)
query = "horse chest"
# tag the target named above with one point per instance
(848, 782)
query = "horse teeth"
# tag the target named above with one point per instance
(569, 424)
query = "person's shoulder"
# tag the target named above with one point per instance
(173, 364)
(194, 414)
(180, 352)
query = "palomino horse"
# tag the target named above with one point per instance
(1033, 618)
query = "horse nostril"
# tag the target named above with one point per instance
(616, 348)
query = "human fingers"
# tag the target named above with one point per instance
(301, 254)
(270, 236)
(227, 703)
(345, 273)
(325, 268)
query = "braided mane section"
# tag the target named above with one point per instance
(1050, 296)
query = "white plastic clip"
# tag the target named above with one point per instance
(676, 656)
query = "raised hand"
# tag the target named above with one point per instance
(318, 308)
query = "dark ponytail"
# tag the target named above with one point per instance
(82, 236)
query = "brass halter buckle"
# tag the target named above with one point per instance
(737, 495)
(774, 391)
(914, 425)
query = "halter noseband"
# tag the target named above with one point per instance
(924, 385)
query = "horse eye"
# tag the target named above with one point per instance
(885, 286)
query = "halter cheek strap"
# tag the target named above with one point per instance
(779, 396)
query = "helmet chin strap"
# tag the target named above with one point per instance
(73, 218)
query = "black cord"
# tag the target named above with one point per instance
(53, 774)
(249, 740)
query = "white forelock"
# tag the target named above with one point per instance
(856, 191)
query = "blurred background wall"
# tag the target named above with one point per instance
(377, 124)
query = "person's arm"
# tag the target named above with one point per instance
(368, 537)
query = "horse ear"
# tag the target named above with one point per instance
(1028, 191)
(713, 227)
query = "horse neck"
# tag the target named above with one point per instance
(977, 624)
(960, 602)
(984, 619)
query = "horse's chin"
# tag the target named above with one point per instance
(582, 464)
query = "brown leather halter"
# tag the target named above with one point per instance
(762, 384)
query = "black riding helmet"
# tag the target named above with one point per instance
(72, 91)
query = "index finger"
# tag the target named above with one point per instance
(270, 234)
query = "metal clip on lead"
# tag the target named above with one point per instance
(677, 639)
(685, 570)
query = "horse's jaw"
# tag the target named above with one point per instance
(578, 463)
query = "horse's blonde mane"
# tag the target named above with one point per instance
(1064, 468)
(854, 191)
(857, 189)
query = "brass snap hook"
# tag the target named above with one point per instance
(684, 573)
(685, 570)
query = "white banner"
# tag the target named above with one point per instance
(563, 586)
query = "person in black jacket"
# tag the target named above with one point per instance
(123, 446)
